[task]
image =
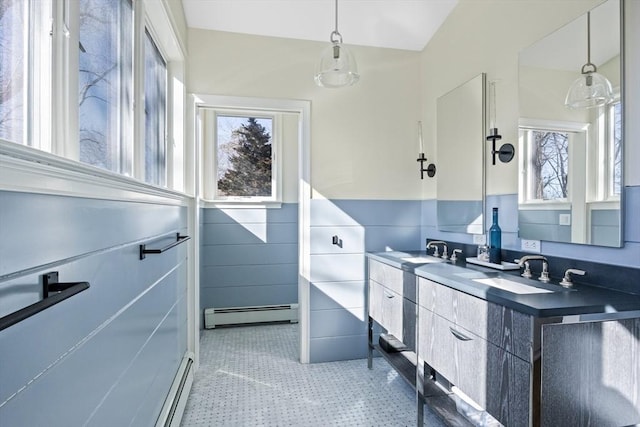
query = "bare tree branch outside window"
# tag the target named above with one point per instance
(549, 165)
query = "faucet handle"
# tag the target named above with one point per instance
(436, 253)
(454, 255)
(566, 280)
(527, 270)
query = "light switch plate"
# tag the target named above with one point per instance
(564, 219)
(530, 245)
(479, 239)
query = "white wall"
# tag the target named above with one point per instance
(486, 36)
(364, 138)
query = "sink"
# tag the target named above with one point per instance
(422, 259)
(511, 286)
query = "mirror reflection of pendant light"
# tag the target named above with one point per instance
(591, 89)
(337, 66)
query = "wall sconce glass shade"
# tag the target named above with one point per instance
(337, 67)
(590, 90)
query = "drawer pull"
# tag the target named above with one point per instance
(388, 294)
(459, 335)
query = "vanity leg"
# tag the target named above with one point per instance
(420, 393)
(370, 344)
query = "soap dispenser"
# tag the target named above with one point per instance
(495, 240)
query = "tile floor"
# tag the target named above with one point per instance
(250, 376)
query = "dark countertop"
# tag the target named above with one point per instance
(580, 300)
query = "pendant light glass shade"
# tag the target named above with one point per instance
(591, 89)
(337, 66)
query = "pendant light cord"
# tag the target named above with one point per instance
(594, 69)
(336, 37)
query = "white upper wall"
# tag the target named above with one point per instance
(364, 141)
(487, 36)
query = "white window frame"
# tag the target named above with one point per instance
(209, 162)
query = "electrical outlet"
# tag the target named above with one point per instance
(530, 245)
(564, 219)
(479, 239)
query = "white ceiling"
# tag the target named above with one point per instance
(399, 24)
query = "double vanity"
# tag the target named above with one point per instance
(528, 353)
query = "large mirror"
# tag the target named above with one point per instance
(570, 159)
(460, 147)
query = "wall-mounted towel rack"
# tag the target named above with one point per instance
(52, 293)
(179, 239)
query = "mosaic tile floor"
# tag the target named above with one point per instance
(250, 376)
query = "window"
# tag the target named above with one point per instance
(105, 82)
(80, 78)
(547, 169)
(155, 101)
(244, 157)
(25, 83)
(614, 127)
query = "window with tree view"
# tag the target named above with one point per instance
(548, 165)
(244, 153)
(105, 82)
(615, 148)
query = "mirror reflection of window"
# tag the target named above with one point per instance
(615, 148)
(549, 164)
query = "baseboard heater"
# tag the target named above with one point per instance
(257, 314)
(173, 408)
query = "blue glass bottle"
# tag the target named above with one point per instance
(495, 240)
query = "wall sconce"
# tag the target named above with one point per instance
(506, 151)
(431, 169)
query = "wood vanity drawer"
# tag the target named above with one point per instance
(436, 298)
(502, 326)
(497, 324)
(386, 308)
(390, 276)
(436, 343)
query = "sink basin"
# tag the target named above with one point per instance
(511, 286)
(422, 259)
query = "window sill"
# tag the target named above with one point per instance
(236, 204)
(30, 170)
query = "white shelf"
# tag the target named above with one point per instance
(503, 266)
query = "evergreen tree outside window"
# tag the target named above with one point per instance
(245, 166)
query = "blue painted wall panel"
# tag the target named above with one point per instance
(330, 349)
(41, 229)
(249, 257)
(86, 349)
(337, 323)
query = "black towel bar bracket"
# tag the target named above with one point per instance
(179, 239)
(53, 292)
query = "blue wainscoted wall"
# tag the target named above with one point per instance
(249, 256)
(628, 255)
(108, 355)
(338, 327)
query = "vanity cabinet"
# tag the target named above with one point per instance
(482, 348)
(392, 294)
(569, 358)
(591, 373)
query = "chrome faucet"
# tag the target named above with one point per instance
(566, 280)
(454, 255)
(436, 253)
(544, 276)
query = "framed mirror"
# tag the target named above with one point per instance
(571, 158)
(460, 145)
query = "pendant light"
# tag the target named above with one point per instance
(337, 66)
(591, 89)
